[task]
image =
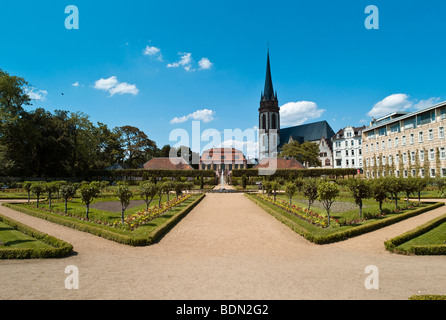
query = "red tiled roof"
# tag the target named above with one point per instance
(167, 164)
(282, 163)
(231, 155)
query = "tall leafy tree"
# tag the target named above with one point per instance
(137, 146)
(306, 153)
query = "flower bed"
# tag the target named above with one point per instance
(310, 216)
(145, 216)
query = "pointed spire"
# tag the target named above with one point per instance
(269, 91)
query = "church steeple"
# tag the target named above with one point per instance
(268, 92)
(269, 117)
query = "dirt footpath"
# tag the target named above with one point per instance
(226, 248)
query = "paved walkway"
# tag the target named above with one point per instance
(226, 248)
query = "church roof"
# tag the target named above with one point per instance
(306, 132)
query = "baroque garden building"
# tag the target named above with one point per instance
(406, 144)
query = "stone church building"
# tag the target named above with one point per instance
(272, 137)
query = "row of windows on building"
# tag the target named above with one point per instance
(228, 166)
(347, 143)
(406, 156)
(411, 140)
(405, 173)
(349, 153)
(349, 162)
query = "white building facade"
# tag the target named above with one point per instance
(347, 148)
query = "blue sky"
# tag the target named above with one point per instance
(211, 56)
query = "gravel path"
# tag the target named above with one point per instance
(226, 248)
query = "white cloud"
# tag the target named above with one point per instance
(204, 115)
(185, 61)
(422, 104)
(392, 103)
(76, 84)
(106, 84)
(400, 102)
(113, 86)
(35, 94)
(297, 113)
(153, 52)
(123, 88)
(205, 64)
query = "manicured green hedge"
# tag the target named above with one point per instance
(302, 173)
(144, 173)
(343, 234)
(60, 248)
(439, 249)
(428, 297)
(108, 232)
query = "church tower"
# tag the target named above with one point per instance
(269, 118)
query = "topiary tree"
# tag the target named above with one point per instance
(420, 185)
(290, 190)
(51, 188)
(124, 194)
(394, 186)
(178, 187)
(88, 193)
(37, 188)
(27, 187)
(309, 188)
(327, 193)
(67, 191)
(275, 186)
(359, 189)
(148, 191)
(378, 191)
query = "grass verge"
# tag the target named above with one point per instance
(141, 236)
(23, 242)
(427, 239)
(329, 235)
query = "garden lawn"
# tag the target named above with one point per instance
(433, 237)
(327, 235)
(100, 220)
(13, 238)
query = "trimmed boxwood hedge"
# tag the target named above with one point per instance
(107, 232)
(60, 248)
(343, 234)
(437, 249)
(301, 173)
(144, 173)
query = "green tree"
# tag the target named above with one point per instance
(51, 188)
(124, 194)
(420, 185)
(408, 185)
(67, 191)
(309, 188)
(290, 190)
(327, 193)
(27, 187)
(394, 187)
(360, 190)
(88, 193)
(378, 191)
(306, 153)
(37, 188)
(148, 191)
(275, 186)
